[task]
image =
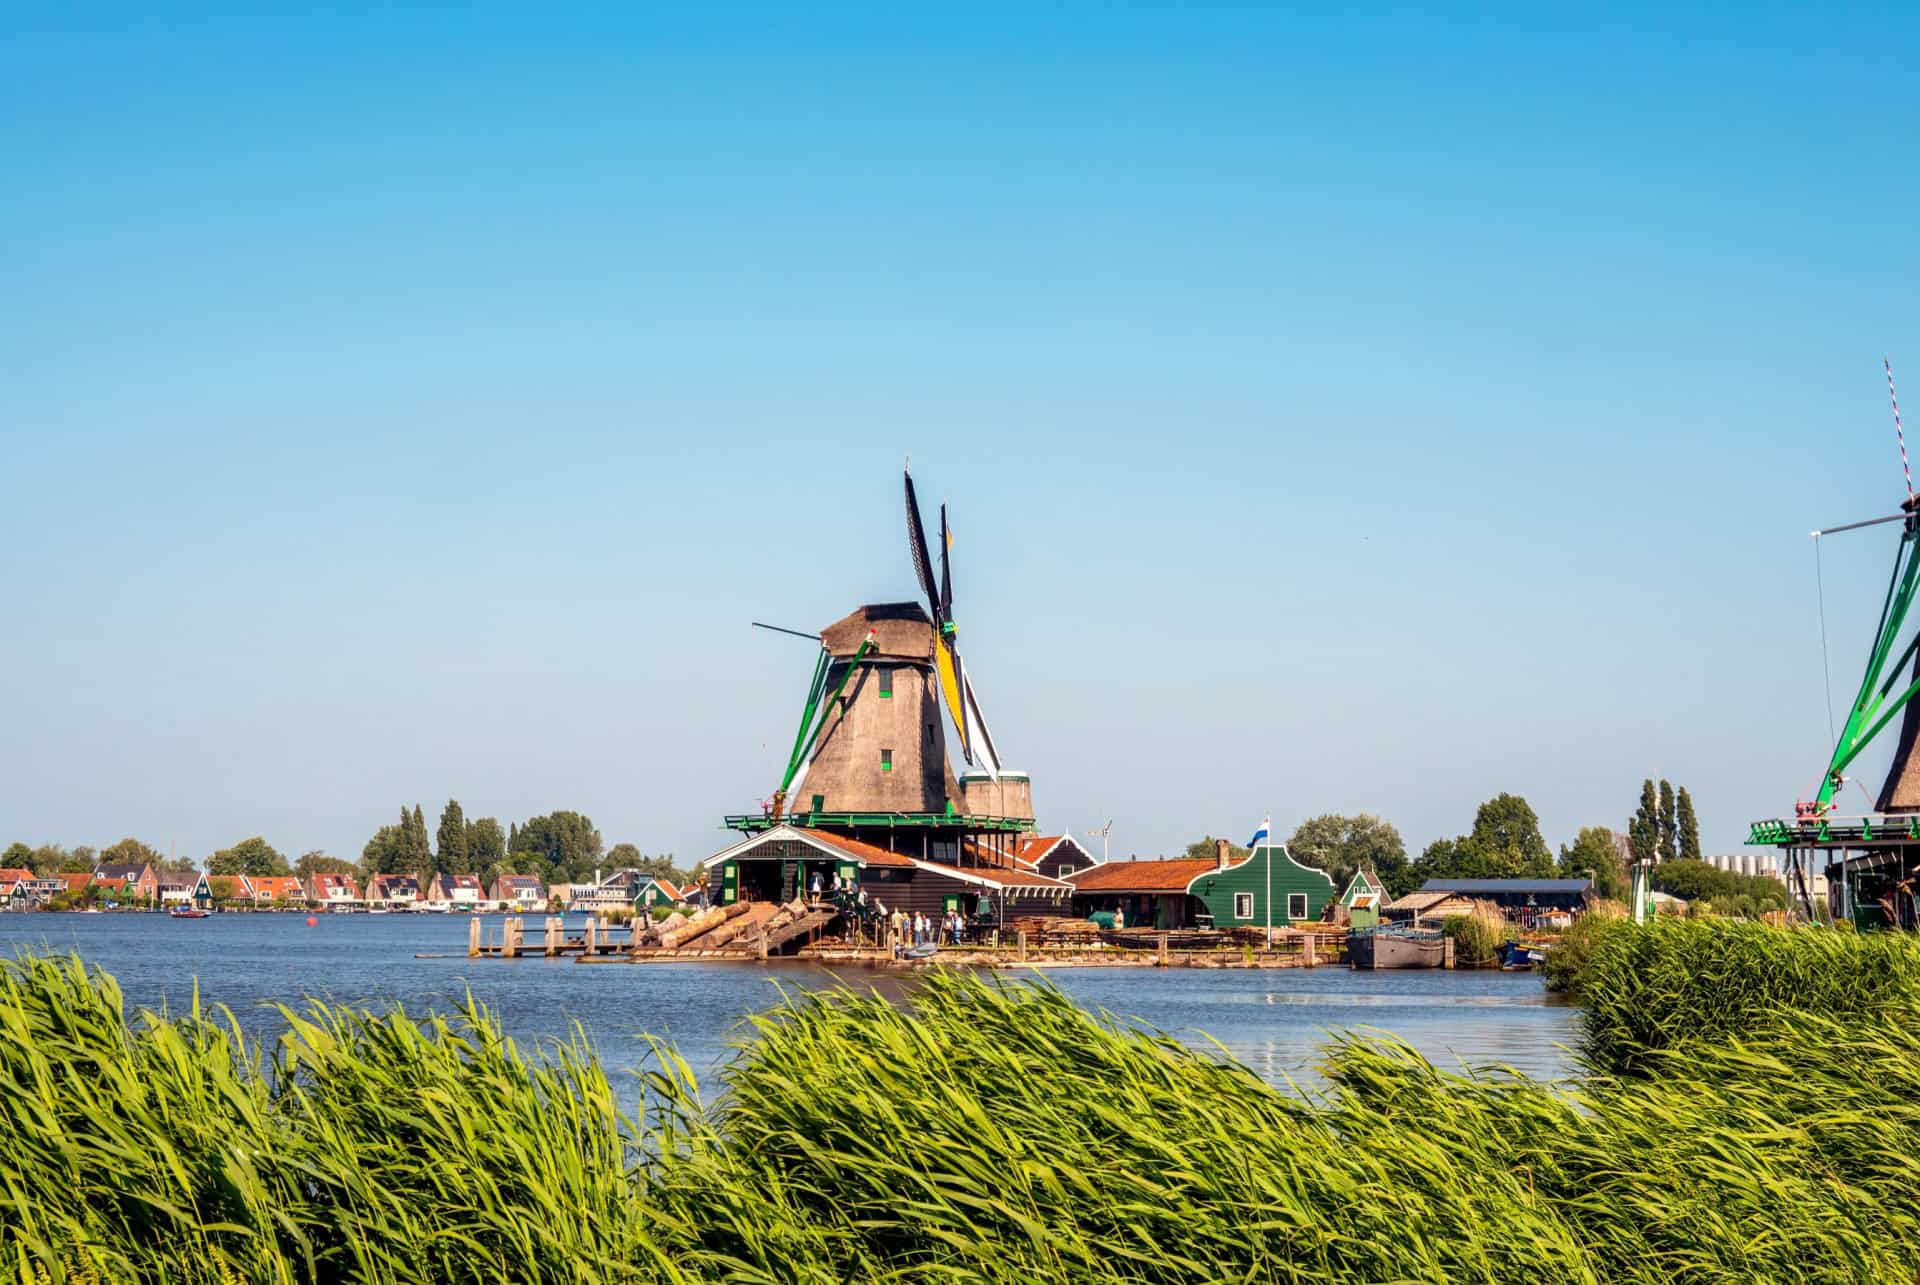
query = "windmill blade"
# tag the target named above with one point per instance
(946, 572)
(978, 734)
(917, 544)
(947, 664)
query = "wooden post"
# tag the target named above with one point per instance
(473, 937)
(1021, 937)
(515, 930)
(1446, 953)
(554, 939)
(760, 945)
(1162, 960)
(1307, 944)
(593, 936)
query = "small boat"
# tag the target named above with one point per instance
(378, 910)
(1517, 956)
(188, 912)
(1396, 947)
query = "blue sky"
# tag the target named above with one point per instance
(1363, 411)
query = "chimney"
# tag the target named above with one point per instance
(1221, 849)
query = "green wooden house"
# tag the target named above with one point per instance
(1236, 895)
(1362, 882)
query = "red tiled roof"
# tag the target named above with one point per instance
(1005, 876)
(74, 882)
(1142, 876)
(1037, 847)
(14, 874)
(275, 885)
(859, 850)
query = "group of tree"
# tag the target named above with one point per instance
(559, 847)
(1341, 845)
(1722, 891)
(1505, 843)
(53, 859)
(1664, 826)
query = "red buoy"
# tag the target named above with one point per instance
(312, 922)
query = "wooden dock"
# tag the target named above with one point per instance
(748, 931)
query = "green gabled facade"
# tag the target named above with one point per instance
(1237, 895)
(1362, 882)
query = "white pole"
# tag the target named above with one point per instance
(1269, 884)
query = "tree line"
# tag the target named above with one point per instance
(560, 847)
(1505, 842)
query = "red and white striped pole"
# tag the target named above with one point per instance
(1897, 431)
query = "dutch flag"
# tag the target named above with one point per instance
(1260, 835)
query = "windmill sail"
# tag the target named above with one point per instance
(975, 731)
(948, 666)
(917, 545)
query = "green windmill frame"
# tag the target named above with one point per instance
(1876, 704)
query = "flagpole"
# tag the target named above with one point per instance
(1269, 882)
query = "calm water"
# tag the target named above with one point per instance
(1274, 1021)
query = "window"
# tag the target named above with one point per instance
(1065, 870)
(1296, 905)
(886, 760)
(1243, 905)
(819, 803)
(886, 681)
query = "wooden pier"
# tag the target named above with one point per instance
(745, 931)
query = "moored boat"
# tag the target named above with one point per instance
(1396, 947)
(188, 912)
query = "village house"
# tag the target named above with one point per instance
(271, 890)
(456, 892)
(34, 890)
(618, 890)
(334, 891)
(181, 888)
(1527, 902)
(779, 864)
(13, 881)
(519, 892)
(1427, 906)
(1054, 855)
(1266, 888)
(394, 891)
(140, 879)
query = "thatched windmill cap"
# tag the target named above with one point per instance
(901, 630)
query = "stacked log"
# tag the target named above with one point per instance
(700, 923)
(760, 915)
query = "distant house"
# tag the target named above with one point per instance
(1216, 891)
(1054, 855)
(519, 892)
(1523, 900)
(617, 891)
(230, 890)
(77, 883)
(394, 891)
(180, 888)
(1427, 906)
(330, 890)
(33, 890)
(140, 878)
(14, 881)
(267, 890)
(1362, 884)
(460, 892)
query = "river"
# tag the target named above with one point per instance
(1275, 1021)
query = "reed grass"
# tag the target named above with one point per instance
(982, 1132)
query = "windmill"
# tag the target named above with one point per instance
(1890, 836)
(955, 684)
